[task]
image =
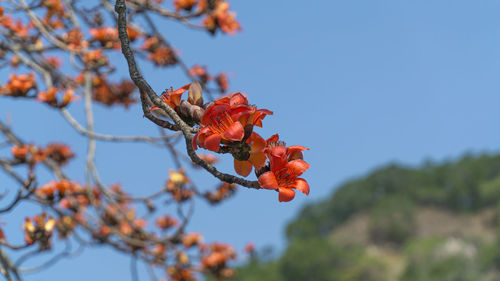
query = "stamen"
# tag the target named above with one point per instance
(220, 123)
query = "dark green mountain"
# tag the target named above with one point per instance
(436, 222)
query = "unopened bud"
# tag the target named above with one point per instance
(184, 108)
(195, 96)
(196, 113)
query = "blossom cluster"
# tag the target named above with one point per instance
(57, 152)
(219, 16)
(226, 125)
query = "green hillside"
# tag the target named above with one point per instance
(435, 222)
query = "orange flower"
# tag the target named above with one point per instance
(23, 151)
(176, 179)
(53, 61)
(19, 85)
(180, 274)
(107, 36)
(200, 72)
(163, 56)
(191, 239)
(224, 191)
(218, 126)
(109, 93)
(68, 96)
(285, 171)
(257, 156)
(248, 116)
(74, 39)
(173, 97)
(94, 58)
(39, 229)
(219, 255)
(222, 82)
(48, 96)
(166, 222)
(17, 28)
(60, 153)
(20, 152)
(209, 158)
(184, 5)
(222, 18)
(133, 34)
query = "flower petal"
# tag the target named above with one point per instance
(242, 168)
(292, 148)
(259, 115)
(212, 142)
(273, 138)
(302, 185)
(297, 167)
(268, 181)
(212, 111)
(256, 142)
(194, 141)
(286, 194)
(237, 99)
(235, 132)
(258, 160)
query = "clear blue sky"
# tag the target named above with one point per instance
(361, 83)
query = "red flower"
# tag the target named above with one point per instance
(257, 157)
(233, 100)
(286, 167)
(173, 97)
(218, 126)
(247, 115)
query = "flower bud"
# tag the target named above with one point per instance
(196, 113)
(184, 108)
(194, 94)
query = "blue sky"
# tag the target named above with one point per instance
(361, 83)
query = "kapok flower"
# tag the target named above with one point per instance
(106, 35)
(20, 152)
(200, 72)
(74, 39)
(60, 153)
(257, 157)
(218, 126)
(184, 5)
(222, 18)
(218, 255)
(191, 239)
(248, 116)
(209, 158)
(279, 154)
(19, 85)
(176, 179)
(48, 96)
(166, 222)
(39, 229)
(285, 171)
(222, 82)
(173, 97)
(233, 100)
(224, 191)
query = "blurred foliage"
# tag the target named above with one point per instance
(434, 222)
